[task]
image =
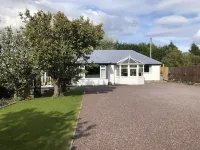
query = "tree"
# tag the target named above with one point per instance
(194, 49)
(173, 59)
(158, 52)
(106, 44)
(190, 59)
(17, 69)
(58, 44)
(172, 46)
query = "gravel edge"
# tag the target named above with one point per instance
(77, 120)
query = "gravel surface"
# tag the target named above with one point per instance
(148, 117)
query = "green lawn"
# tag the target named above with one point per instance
(40, 124)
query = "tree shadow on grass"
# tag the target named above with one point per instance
(30, 129)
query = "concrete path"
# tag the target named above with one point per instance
(148, 117)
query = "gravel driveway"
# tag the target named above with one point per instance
(147, 117)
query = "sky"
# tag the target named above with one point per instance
(131, 21)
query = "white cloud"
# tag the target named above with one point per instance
(113, 24)
(9, 11)
(197, 37)
(171, 21)
(122, 19)
(185, 31)
(165, 4)
(183, 43)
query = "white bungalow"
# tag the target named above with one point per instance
(120, 67)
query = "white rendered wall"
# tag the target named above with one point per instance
(153, 74)
(129, 80)
(91, 81)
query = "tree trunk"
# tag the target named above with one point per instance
(63, 89)
(56, 86)
(27, 93)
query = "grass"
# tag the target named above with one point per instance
(40, 124)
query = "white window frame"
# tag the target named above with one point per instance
(129, 58)
(133, 68)
(118, 66)
(102, 67)
(129, 68)
(121, 70)
(142, 70)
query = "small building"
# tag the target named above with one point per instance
(120, 67)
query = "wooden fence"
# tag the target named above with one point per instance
(188, 74)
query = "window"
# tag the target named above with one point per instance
(118, 71)
(124, 70)
(140, 70)
(103, 71)
(133, 70)
(147, 68)
(92, 71)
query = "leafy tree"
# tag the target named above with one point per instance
(142, 48)
(158, 52)
(194, 49)
(190, 59)
(58, 43)
(17, 69)
(106, 44)
(172, 46)
(173, 59)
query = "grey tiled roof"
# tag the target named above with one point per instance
(113, 56)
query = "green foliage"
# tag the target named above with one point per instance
(17, 69)
(190, 59)
(58, 44)
(194, 49)
(142, 48)
(173, 59)
(106, 44)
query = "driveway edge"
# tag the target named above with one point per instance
(77, 120)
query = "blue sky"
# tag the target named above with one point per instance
(131, 21)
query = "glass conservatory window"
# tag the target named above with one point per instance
(140, 70)
(133, 70)
(124, 70)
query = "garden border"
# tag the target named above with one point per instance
(77, 121)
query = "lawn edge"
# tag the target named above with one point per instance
(8, 105)
(77, 120)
